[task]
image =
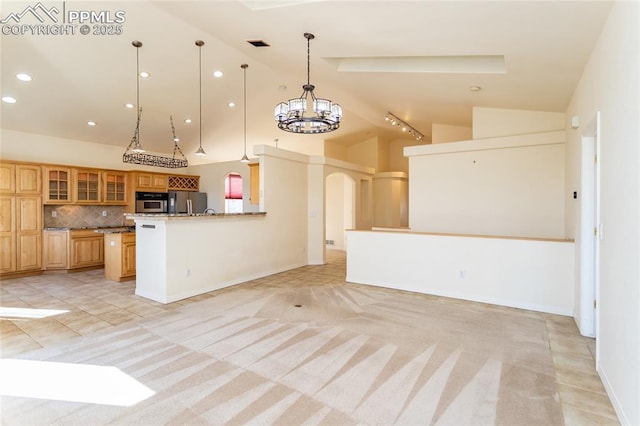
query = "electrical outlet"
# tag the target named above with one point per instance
(462, 274)
(54, 213)
(104, 213)
(187, 273)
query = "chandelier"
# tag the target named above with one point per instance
(292, 115)
(134, 153)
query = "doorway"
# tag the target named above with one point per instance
(339, 209)
(590, 232)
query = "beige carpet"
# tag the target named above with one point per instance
(349, 354)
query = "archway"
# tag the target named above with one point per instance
(340, 209)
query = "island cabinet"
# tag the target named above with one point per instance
(57, 185)
(86, 249)
(120, 256)
(20, 219)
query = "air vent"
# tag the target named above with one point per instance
(257, 43)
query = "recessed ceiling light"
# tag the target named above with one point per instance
(23, 77)
(129, 106)
(217, 74)
(91, 123)
(188, 121)
(475, 88)
(144, 74)
(231, 104)
(9, 99)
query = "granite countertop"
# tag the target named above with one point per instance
(189, 216)
(98, 229)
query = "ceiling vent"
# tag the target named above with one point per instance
(257, 43)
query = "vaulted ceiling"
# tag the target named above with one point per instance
(416, 59)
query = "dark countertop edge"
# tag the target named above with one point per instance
(188, 216)
(98, 229)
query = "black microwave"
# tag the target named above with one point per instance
(151, 202)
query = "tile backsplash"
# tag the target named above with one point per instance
(81, 216)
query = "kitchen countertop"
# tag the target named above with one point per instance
(163, 216)
(97, 229)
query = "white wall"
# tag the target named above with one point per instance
(441, 133)
(522, 273)
(505, 186)
(19, 146)
(335, 205)
(390, 200)
(610, 84)
(212, 182)
(496, 122)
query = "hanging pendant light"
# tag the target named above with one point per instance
(134, 153)
(244, 67)
(135, 145)
(291, 116)
(200, 152)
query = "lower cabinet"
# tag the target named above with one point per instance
(73, 249)
(86, 249)
(56, 250)
(120, 256)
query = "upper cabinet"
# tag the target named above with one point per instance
(57, 183)
(18, 178)
(87, 186)
(115, 187)
(7, 178)
(153, 182)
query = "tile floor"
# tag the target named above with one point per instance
(91, 303)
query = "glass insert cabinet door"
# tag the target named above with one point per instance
(57, 184)
(114, 187)
(87, 184)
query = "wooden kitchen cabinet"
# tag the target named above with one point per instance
(86, 248)
(254, 180)
(153, 182)
(55, 250)
(20, 219)
(7, 234)
(115, 187)
(87, 188)
(57, 184)
(28, 179)
(120, 256)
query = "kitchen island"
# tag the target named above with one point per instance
(181, 255)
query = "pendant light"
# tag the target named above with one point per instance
(200, 152)
(244, 67)
(134, 153)
(135, 145)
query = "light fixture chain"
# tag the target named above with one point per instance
(244, 103)
(308, 60)
(200, 90)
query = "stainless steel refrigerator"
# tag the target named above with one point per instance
(179, 202)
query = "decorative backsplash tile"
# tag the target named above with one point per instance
(81, 216)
